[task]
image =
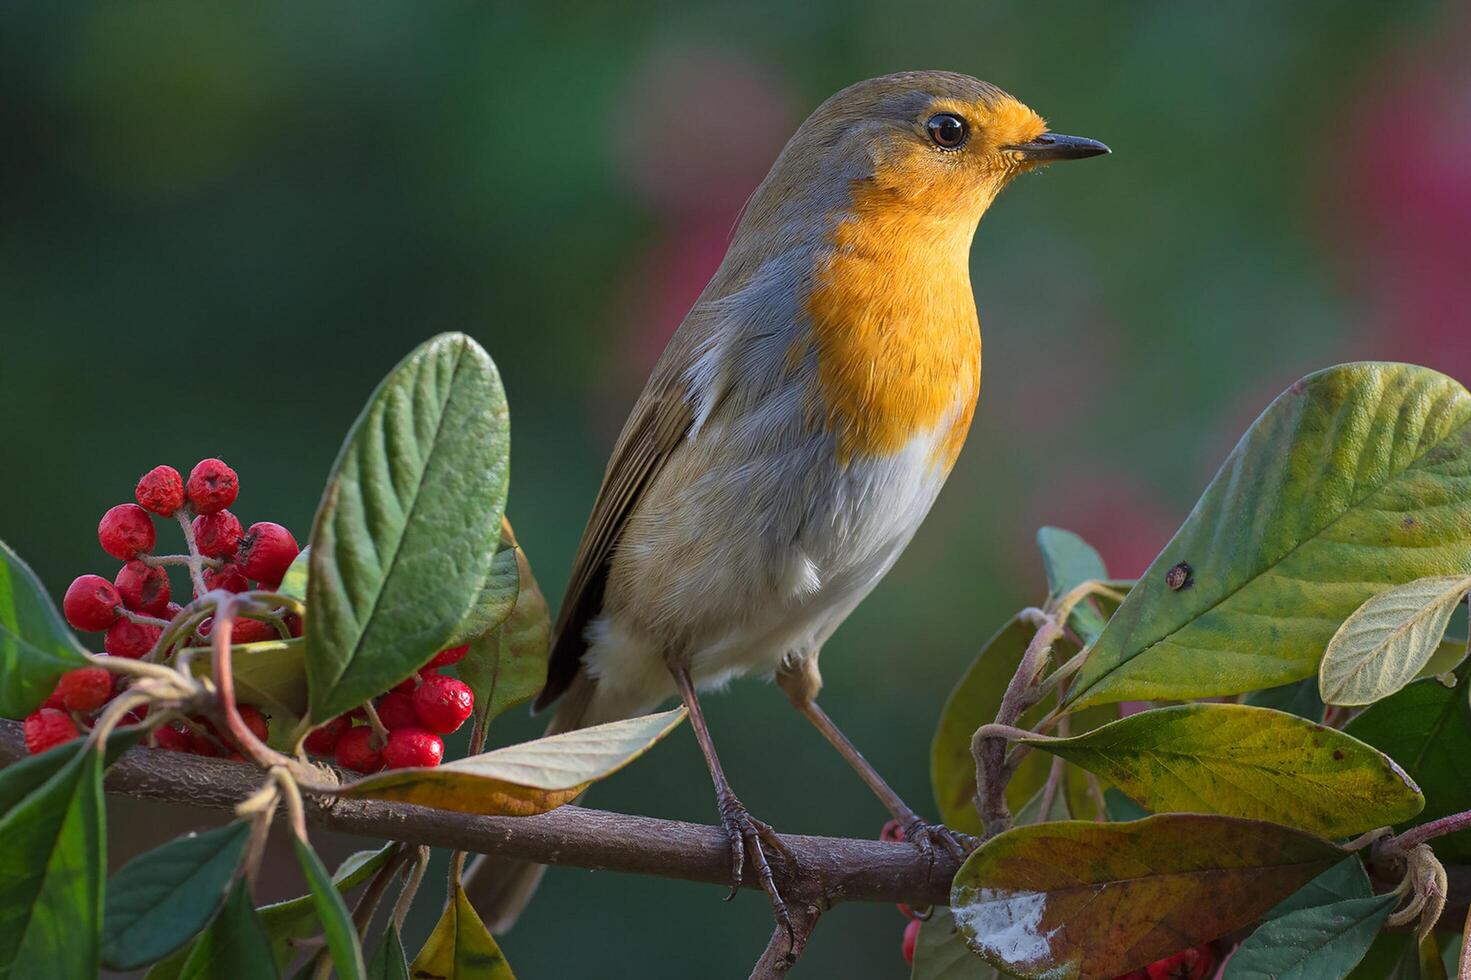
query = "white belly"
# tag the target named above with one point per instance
(738, 560)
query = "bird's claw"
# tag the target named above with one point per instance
(926, 836)
(746, 835)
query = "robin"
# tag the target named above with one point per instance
(794, 432)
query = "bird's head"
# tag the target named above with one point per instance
(928, 144)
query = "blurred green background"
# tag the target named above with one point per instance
(220, 225)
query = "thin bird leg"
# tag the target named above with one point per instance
(744, 831)
(923, 835)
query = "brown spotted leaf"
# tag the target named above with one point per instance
(1086, 900)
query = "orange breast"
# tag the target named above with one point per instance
(894, 325)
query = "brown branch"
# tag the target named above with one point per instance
(783, 949)
(830, 870)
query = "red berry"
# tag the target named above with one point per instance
(396, 710)
(129, 639)
(47, 729)
(266, 551)
(160, 490)
(443, 703)
(293, 624)
(217, 535)
(91, 603)
(446, 657)
(254, 720)
(143, 589)
(170, 737)
(212, 486)
(355, 750)
(411, 683)
(1188, 964)
(408, 748)
(252, 631)
(84, 689)
(911, 936)
(126, 531)
(892, 831)
(323, 740)
(228, 577)
(172, 610)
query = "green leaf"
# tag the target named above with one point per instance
(460, 947)
(297, 918)
(159, 900)
(272, 676)
(1120, 808)
(235, 946)
(508, 665)
(1241, 761)
(51, 867)
(1097, 900)
(972, 703)
(293, 583)
(1427, 729)
(36, 647)
(1070, 561)
(1389, 639)
(390, 962)
(1394, 956)
(1031, 811)
(408, 525)
(497, 596)
(1311, 943)
(1355, 479)
(1345, 880)
(524, 779)
(342, 936)
(1298, 698)
(940, 952)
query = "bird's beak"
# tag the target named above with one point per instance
(1055, 146)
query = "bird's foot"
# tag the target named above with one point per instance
(746, 835)
(928, 836)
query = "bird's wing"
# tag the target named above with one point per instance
(658, 423)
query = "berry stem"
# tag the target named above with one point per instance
(194, 559)
(162, 561)
(380, 730)
(142, 620)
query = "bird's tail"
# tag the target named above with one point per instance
(501, 887)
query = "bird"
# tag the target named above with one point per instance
(793, 434)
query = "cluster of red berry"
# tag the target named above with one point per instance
(415, 715)
(137, 605)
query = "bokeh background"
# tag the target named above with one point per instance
(220, 225)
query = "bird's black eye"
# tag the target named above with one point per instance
(947, 130)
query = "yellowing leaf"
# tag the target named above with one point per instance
(523, 779)
(1386, 642)
(508, 665)
(1355, 479)
(1090, 900)
(1242, 761)
(460, 947)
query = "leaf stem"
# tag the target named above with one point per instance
(410, 888)
(1449, 824)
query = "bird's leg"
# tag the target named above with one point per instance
(744, 831)
(923, 835)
